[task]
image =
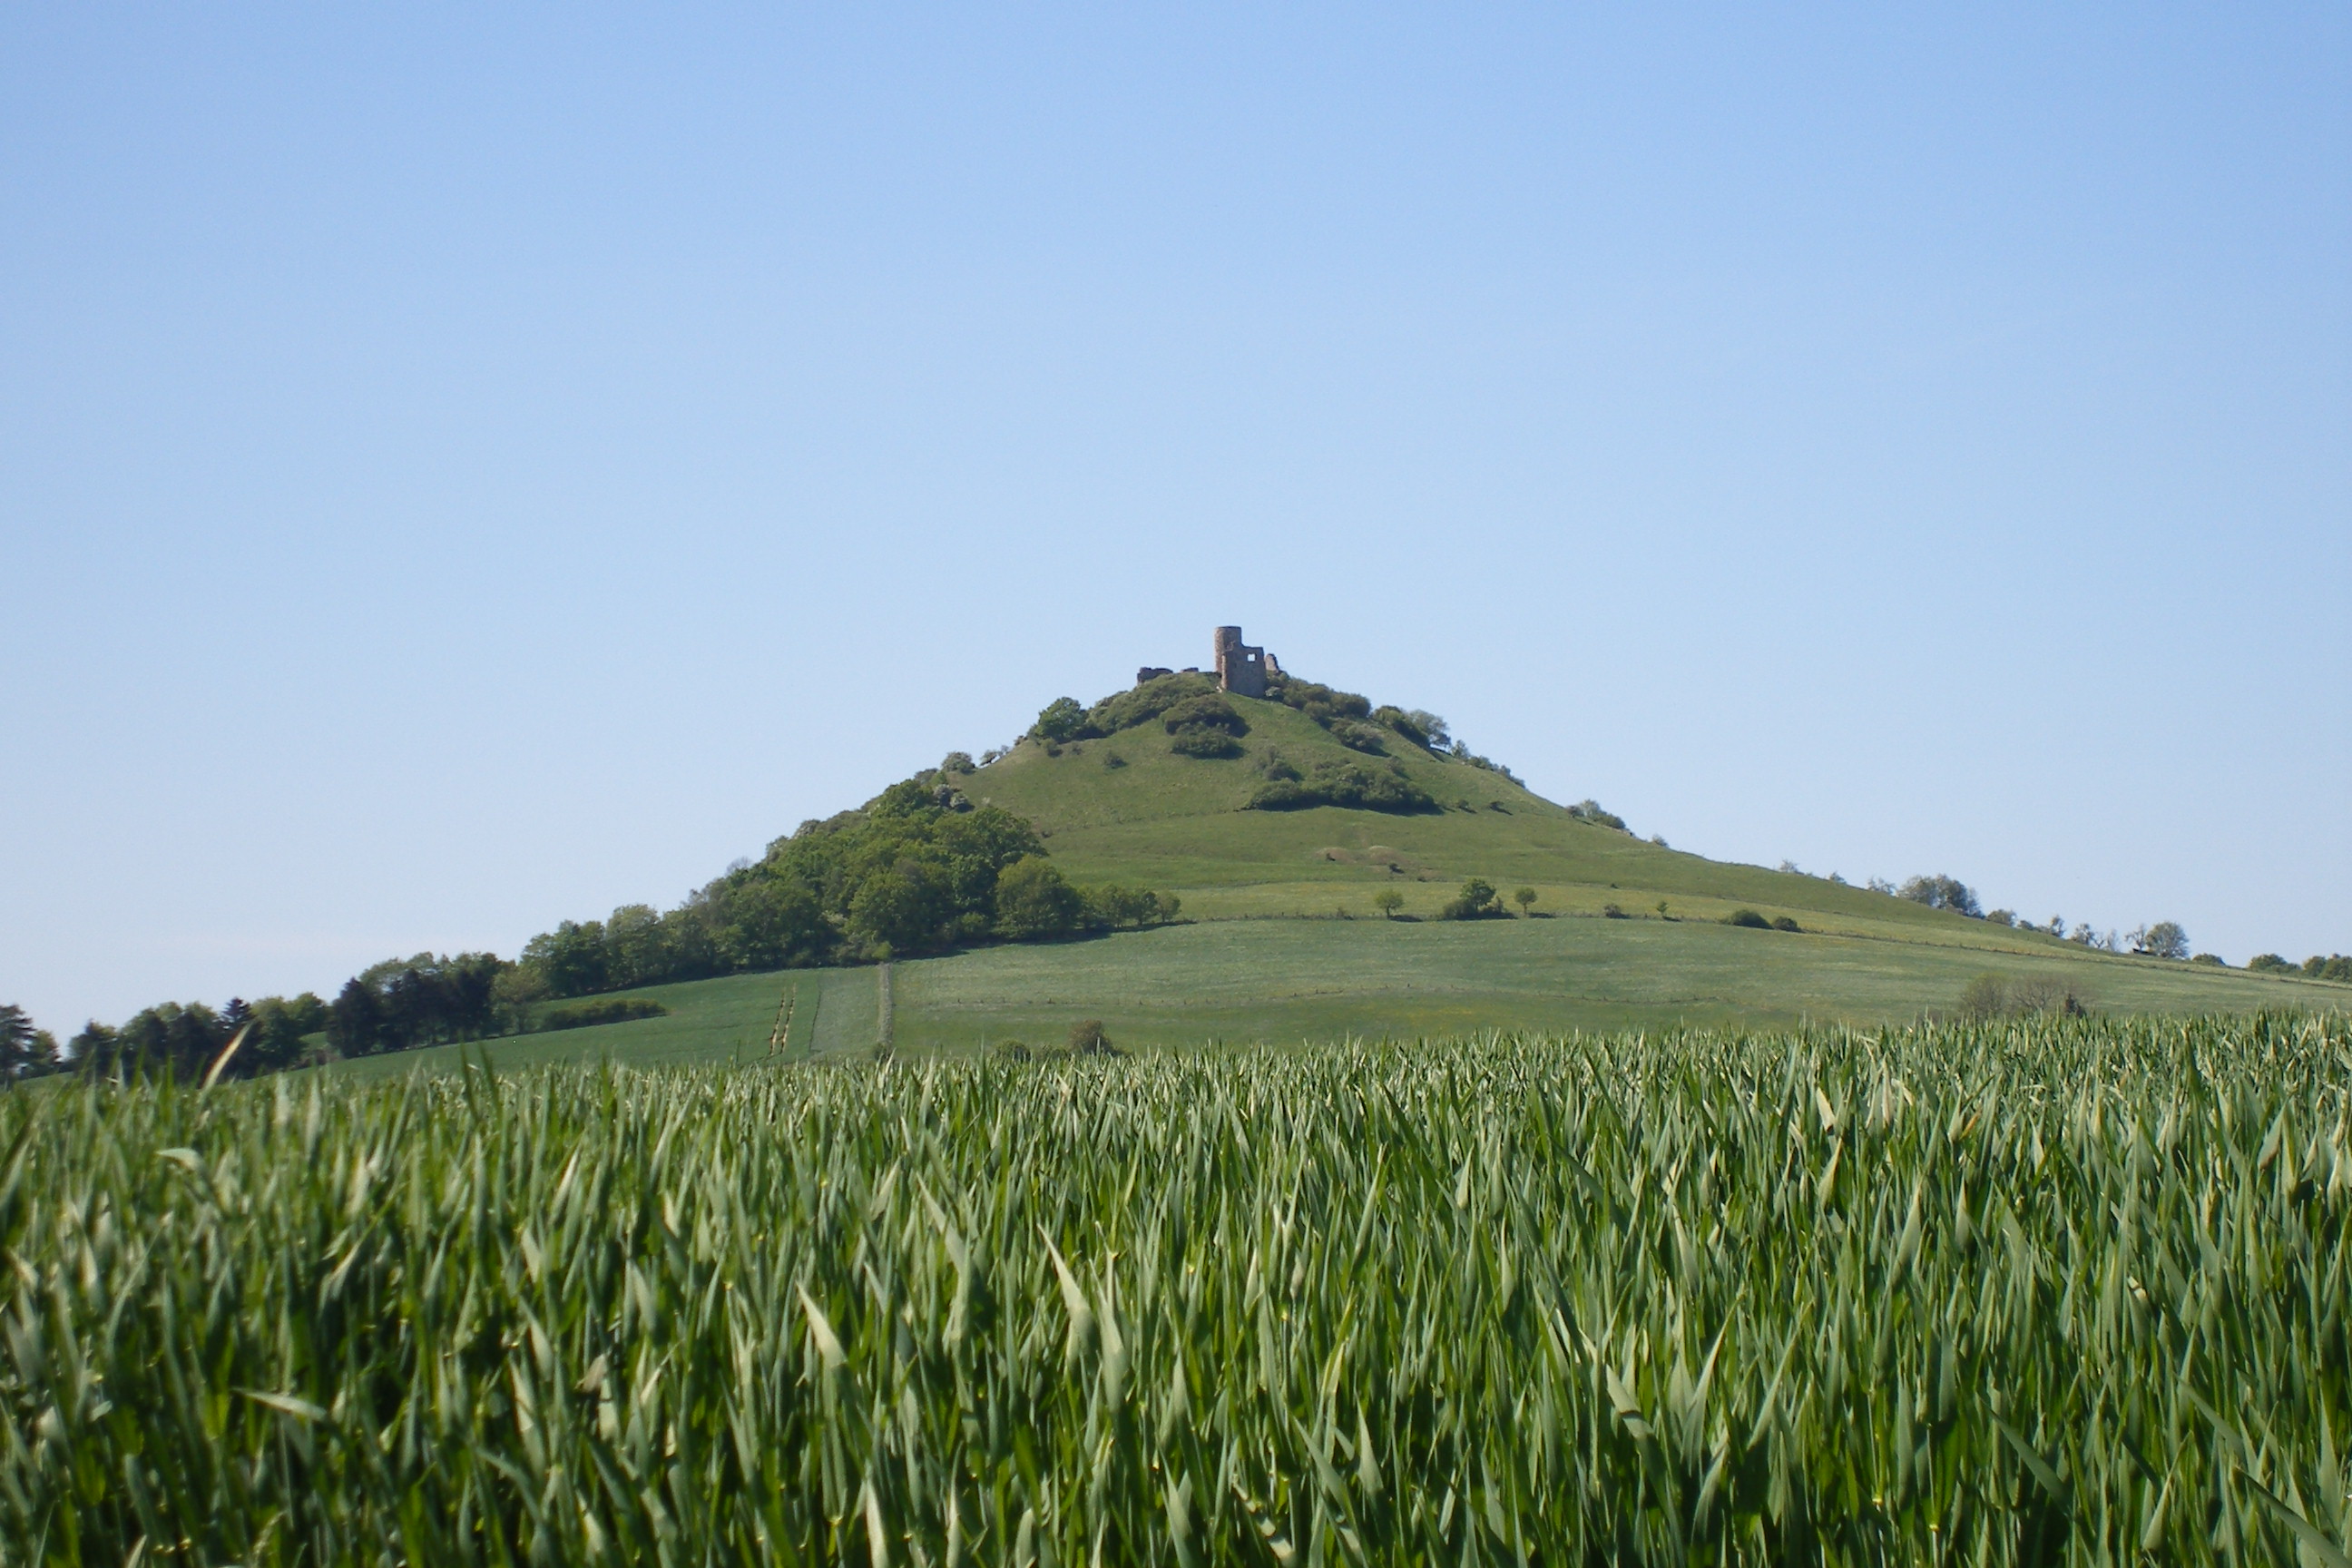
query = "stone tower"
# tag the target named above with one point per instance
(1240, 668)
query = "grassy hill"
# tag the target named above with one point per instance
(1283, 941)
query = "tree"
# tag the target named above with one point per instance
(1986, 996)
(1476, 902)
(1061, 719)
(1941, 892)
(25, 1051)
(1388, 901)
(636, 947)
(2165, 938)
(1035, 899)
(767, 922)
(355, 1019)
(1112, 907)
(901, 910)
(280, 1024)
(1526, 898)
(1434, 729)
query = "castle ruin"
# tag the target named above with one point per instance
(1240, 668)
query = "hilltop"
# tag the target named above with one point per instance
(1233, 853)
(1313, 842)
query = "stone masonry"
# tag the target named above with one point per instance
(1240, 668)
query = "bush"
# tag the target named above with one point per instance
(1785, 923)
(1112, 762)
(1986, 996)
(2335, 967)
(2214, 959)
(1611, 913)
(1590, 811)
(1111, 908)
(959, 763)
(1062, 719)
(1476, 902)
(1208, 712)
(1941, 894)
(1334, 783)
(1405, 724)
(1994, 997)
(1087, 1039)
(1320, 703)
(1146, 702)
(1748, 919)
(604, 1010)
(1357, 736)
(2270, 963)
(1205, 743)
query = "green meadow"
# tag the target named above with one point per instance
(1282, 942)
(1284, 981)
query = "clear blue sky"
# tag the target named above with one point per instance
(460, 470)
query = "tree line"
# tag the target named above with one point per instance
(918, 869)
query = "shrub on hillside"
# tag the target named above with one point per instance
(1319, 703)
(1330, 781)
(2270, 963)
(1476, 902)
(1748, 919)
(1786, 922)
(606, 1010)
(1941, 892)
(1359, 736)
(1061, 719)
(2165, 938)
(1143, 703)
(1406, 725)
(1272, 765)
(1462, 753)
(1087, 1039)
(2211, 960)
(1590, 811)
(1207, 743)
(1210, 711)
(2335, 967)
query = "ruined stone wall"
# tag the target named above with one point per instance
(1240, 668)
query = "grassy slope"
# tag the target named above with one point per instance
(1266, 961)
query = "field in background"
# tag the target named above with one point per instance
(2067, 1292)
(1298, 980)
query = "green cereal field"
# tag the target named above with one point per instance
(2048, 1291)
